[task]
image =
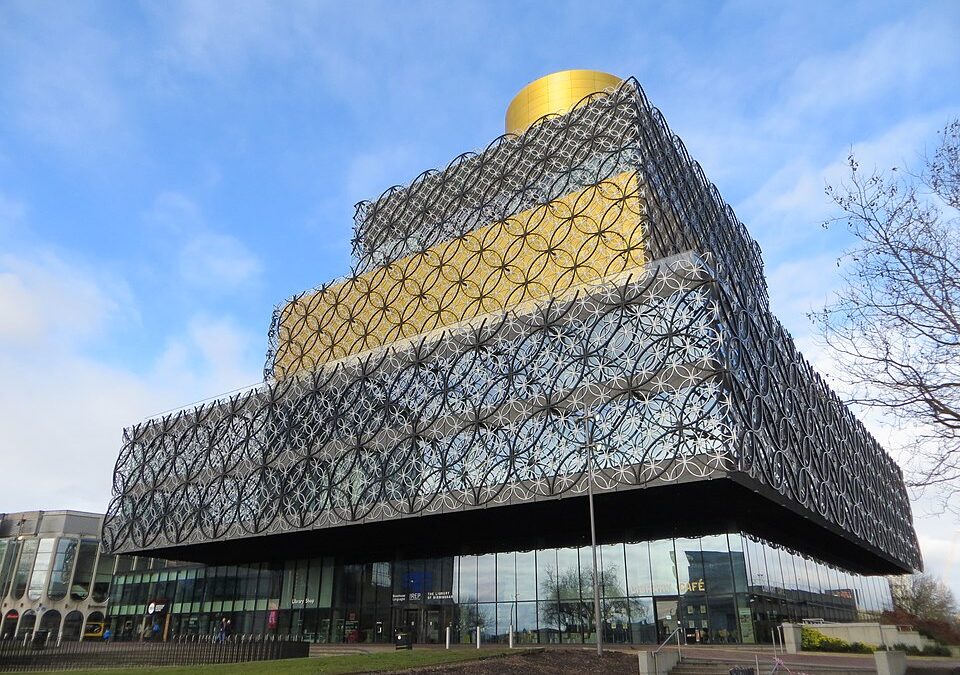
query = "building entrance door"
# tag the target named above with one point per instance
(431, 626)
(425, 624)
(667, 618)
(411, 624)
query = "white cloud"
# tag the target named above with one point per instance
(175, 213)
(940, 543)
(210, 350)
(206, 259)
(47, 301)
(218, 262)
(63, 408)
(209, 37)
(892, 57)
(220, 41)
(784, 214)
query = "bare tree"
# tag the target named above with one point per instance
(925, 597)
(896, 323)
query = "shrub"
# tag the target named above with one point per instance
(928, 650)
(935, 650)
(814, 640)
(910, 650)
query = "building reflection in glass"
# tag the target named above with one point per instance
(714, 589)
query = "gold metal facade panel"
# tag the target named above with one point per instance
(554, 93)
(579, 238)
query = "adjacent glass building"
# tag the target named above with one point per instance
(53, 575)
(573, 308)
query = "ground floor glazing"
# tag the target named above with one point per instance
(724, 588)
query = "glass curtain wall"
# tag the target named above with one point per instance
(83, 574)
(24, 566)
(63, 561)
(10, 549)
(41, 569)
(714, 589)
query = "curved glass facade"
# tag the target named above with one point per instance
(41, 569)
(27, 555)
(101, 580)
(9, 549)
(715, 588)
(63, 562)
(83, 576)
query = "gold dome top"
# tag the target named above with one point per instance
(554, 93)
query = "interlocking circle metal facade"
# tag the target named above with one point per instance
(582, 273)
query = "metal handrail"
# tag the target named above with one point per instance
(656, 669)
(669, 637)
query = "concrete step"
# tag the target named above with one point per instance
(336, 650)
(721, 666)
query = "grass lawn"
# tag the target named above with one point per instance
(334, 665)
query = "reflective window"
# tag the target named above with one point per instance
(506, 577)
(548, 622)
(20, 578)
(643, 628)
(527, 578)
(312, 596)
(717, 568)
(663, 567)
(638, 569)
(615, 613)
(3, 562)
(11, 547)
(487, 620)
(468, 579)
(774, 570)
(63, 561)
(690, 572)
(487, 577)
(722, 625)
(41, 569)
(613, 579)
(101, 580)
(526, 622)
(272, 577)
(699, 585)
(547, 573)
(124, 564)
(568, 574)
(739, 562)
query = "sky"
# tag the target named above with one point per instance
(170, 171)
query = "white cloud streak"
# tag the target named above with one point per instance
(63, 406)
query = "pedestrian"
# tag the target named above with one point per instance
(107, 634)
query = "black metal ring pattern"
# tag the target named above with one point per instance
(682, 366)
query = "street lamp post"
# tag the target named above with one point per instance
(593, 536)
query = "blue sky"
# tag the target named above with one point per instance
(170, 171)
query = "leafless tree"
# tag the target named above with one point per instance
(925, 597)
(895, 325)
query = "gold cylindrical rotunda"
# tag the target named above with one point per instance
(554, 93)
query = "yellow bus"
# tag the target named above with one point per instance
(94, 630)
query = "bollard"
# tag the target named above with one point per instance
(511, 636)
(478, 637)
(448, 637)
